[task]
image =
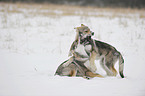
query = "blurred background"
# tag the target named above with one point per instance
(52, 22)
(98, 3)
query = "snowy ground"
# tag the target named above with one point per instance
(35, 40)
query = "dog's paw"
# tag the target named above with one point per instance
(85, 77)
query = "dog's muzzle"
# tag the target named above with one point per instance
(87, 39)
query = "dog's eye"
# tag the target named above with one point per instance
(86, 31)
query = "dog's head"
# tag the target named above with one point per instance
(83, 32)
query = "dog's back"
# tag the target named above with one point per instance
(71, 69)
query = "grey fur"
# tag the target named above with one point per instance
(107, 54)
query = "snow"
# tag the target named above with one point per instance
(33, 46)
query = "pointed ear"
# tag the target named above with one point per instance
(82, 25)
(77, 27)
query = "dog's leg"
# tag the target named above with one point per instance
(93, 67)
(73, 46)
(68, 62)
(91, 74)
(110, 61)
(113, 70)
(114, 60)
(73, 73)
(104, 63)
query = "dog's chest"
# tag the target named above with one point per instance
(83, 50)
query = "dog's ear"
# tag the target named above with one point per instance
(82, 25)
(77, 27)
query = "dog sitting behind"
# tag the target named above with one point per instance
(73, 67)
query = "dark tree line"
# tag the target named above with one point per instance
(98, 3)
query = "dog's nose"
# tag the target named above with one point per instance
(89, 38)
(92, 33)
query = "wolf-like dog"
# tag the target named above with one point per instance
(75, 65)
(87, 47)
(75, 68)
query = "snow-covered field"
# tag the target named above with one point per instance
(35, 40)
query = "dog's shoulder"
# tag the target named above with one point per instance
(103, 45)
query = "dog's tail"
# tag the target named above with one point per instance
(121, 65)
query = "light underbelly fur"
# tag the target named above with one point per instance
(82, 50)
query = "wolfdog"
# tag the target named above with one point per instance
(86, 47)
(75, 67)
